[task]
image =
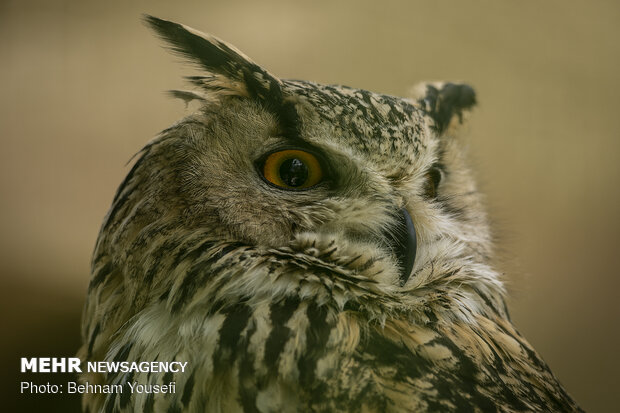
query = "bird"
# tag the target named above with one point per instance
(304, 248)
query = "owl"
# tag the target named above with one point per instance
(304, 248)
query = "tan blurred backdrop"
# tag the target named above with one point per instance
(81, 91)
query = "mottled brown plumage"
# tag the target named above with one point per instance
(367, 291)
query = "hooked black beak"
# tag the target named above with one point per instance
(404, 244)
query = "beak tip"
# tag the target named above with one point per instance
(407, 246)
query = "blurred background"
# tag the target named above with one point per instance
(82, 87)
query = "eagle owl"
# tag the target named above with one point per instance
(305, 248)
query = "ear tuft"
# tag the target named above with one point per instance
(229, 69)
(442, 101)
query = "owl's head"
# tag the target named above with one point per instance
(287, 185)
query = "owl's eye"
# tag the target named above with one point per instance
(292, 169)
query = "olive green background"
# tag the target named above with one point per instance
(81, 87)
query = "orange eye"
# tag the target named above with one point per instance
(292, 169)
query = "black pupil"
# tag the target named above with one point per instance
(293, 172)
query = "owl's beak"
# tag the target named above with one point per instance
(405, 244)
